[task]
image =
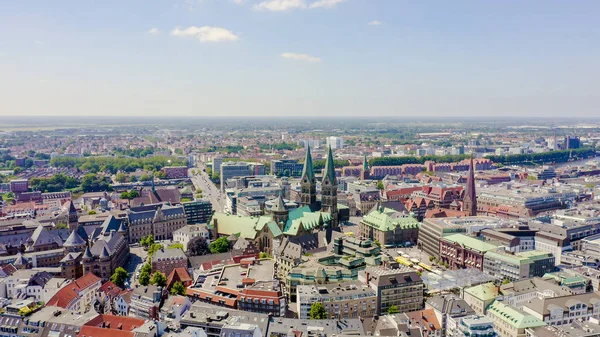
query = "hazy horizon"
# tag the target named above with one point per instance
(300, 59)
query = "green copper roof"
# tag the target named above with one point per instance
(329, 172)
(308, 166)
(245, 227)
(304, 218)
(383, 220)
(515, 318)
(470, 242)
(365, 163)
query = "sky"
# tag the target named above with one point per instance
(299, 58)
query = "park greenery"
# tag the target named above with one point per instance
(176, 246)
(560, 156)
(116, 164)
(56, 183)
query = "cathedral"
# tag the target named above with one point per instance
(313, 215)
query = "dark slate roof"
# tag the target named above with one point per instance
(39, 279)
(41, 236)
(88, 253)
(74, 240)
(172, 210)
(109, 244)
(139, 216)
(70, 257)
(111, 223)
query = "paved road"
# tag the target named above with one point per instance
(209, 191)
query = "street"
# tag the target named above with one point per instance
(135, 263)
(210, 192)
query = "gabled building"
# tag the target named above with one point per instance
(79, 295)
(511, 322)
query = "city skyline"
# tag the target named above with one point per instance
(347, 58)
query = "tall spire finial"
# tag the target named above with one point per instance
(470, 199)
(329, 172)
(308, 170)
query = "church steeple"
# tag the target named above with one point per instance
(364, 172)
(470, 199)
(329, 190)
(329, 171)
(308, 184)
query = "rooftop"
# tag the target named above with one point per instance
(470, 242)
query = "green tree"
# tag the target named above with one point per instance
(92, 212)
(505, 281)
(144, 278)
(147, 241)
(121, 177)
(17, 170)
(178, 289)
(176, 246)
(377, 243)
(146, 268)
(119, 277)
(220, 245)
(380, 185)
(153, 249)
(393, 310)
(8, 197)
(317, 311)
(197, 246)
(264, 255)
(61, 225)
(145, 177)
(158, 279)
(134, 194)
(431, 258)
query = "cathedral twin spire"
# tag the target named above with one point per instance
(328, 186)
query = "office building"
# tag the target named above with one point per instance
(239, 169)
(19, 186)
(389, 227)
(341, 301)
(402, 288)
(510, 321)
(286, 168)
(572, 142)
(518, 266)
(197, 211)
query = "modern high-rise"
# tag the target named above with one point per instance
(402, 288)
(335, 142)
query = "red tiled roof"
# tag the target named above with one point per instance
(110, 289)
(9, 269)
(178, 274)
(126, 323)
(93, 331)
(65, 296)
(424, 318)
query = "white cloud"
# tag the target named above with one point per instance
(238, 2)
(280, 5)
(325, 3)
(375, 23)
(154, 31)
(300, 57)
(206, 33)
